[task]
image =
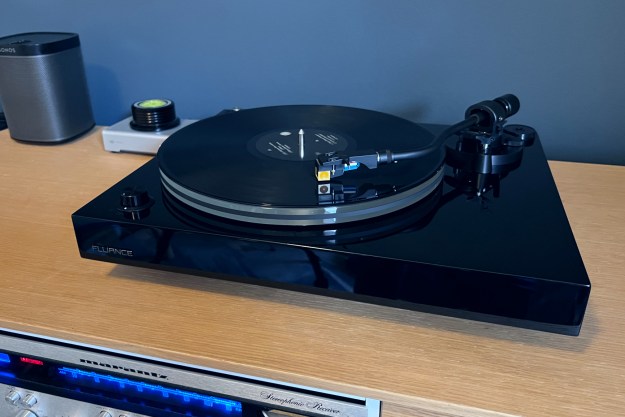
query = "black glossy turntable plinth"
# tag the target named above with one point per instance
(505, 254)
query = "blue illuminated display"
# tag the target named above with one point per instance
(6, 375)
(5, 360)
(172, 396)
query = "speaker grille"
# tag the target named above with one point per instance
(45, 98)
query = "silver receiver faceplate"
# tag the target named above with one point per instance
(273, 396)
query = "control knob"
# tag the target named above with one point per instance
(28, 401)
(13, 397)
(135, 203)
(26, 413)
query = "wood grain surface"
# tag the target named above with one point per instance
(418, 364)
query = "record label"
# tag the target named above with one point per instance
(304, 144)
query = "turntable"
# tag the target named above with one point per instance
(463, 220)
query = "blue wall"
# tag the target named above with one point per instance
(423, 60)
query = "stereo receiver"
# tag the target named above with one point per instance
(46, 377)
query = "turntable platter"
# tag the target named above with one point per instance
(257, 165)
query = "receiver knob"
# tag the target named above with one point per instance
(26, 413)
(28, 401)
(13, 397)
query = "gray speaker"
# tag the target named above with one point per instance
(43, 88)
